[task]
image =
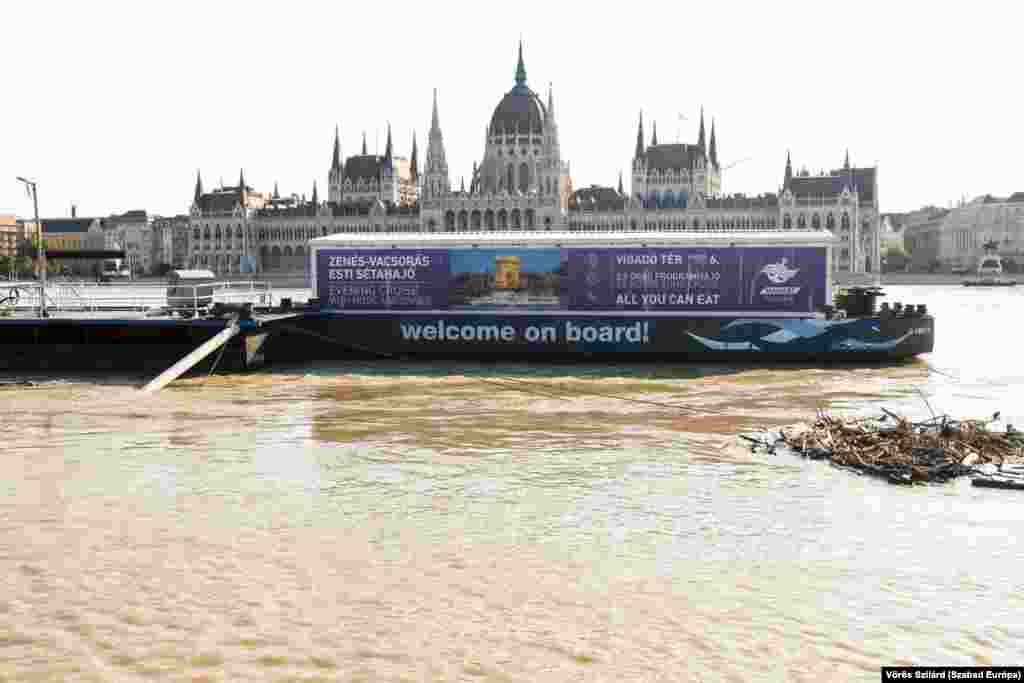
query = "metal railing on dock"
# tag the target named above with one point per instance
(184, 299)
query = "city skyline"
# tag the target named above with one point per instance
(130, 120)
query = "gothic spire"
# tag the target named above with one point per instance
(199, 186)
(713, 150)
(551, 101)
(462, 184)
(846, 163)
(640, 137)
(314, 193)
(364, 143)
(413, 166)
(435, 125)
(336, 159)
(387, 149)
(241, 181)
(788, 177)
(700, 135)
(654, 134)
(521, 68)
(276, 195)
(620, 184)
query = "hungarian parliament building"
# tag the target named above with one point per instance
(523, 183)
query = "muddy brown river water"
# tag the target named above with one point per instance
(382, 522)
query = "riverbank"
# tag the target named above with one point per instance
(901, 279)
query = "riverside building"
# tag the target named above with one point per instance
(522, 182)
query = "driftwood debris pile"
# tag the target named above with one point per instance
(902, 451)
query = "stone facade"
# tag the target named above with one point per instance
(523, 183)
(10, 235)
(955, 238)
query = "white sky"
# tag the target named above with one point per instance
(114, 105)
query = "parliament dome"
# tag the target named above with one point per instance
(520, 109)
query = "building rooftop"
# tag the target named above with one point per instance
(860, 180)
(527, 238)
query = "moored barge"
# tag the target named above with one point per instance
(690, 296)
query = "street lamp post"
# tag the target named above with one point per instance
(40, 249)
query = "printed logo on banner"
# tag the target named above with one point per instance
(779, 274)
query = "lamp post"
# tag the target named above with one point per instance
(40, 249)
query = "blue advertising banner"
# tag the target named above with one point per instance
(788, 279)
(383, 278)
(664, 279)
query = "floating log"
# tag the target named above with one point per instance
(905, 452)
(195, 357)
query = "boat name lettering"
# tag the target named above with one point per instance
(669, 258)
(568, 331)
(343, 274)
(377, 261)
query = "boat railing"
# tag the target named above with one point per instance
(187, 299)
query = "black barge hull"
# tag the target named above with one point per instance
(130, 345)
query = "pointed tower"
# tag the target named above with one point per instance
(846, 162)
(787, 179)
(700, 135)
(387, 149)
(713, 147)
(520, 70)
(639, 160)
(364, 143)
(199, 187)
(413, 162)
(315, 200)
(336, 157)
(435, 183)
(241, 181)
(336, 175)
(620, 184)
(552, 126)
(640, 138)
(654, 134)
(276, 193)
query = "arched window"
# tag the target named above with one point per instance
(475, 220)
(449, 221)
(463, 220)
(516, 224)
(845, 222)
(787, 222)
(502, 219)
(830, 221)
(489, 219)
(529, 217)
(801, 222)
(510, 182)
(524, 177)
(816, 222)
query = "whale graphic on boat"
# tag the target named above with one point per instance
(800, 334)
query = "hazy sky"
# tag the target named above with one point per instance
(114, 105)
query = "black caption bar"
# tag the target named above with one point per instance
(953, 673)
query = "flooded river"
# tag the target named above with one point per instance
(467, 523)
